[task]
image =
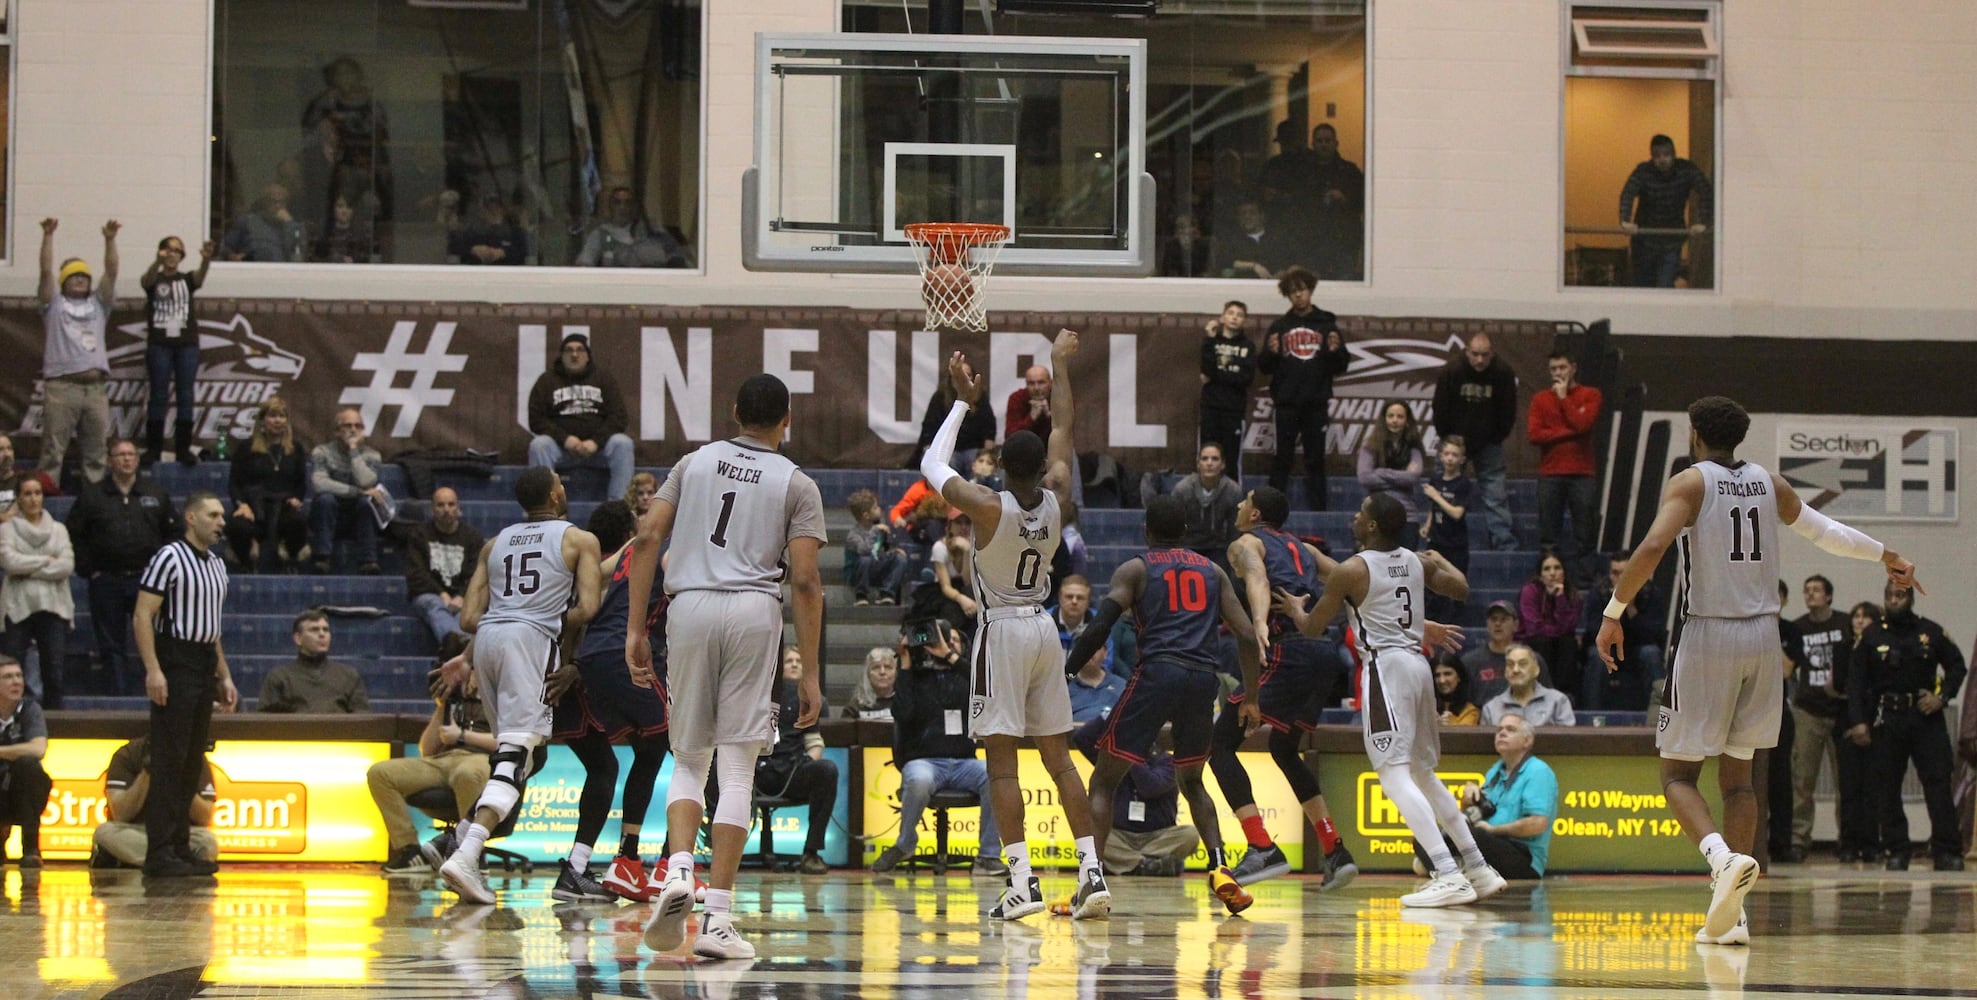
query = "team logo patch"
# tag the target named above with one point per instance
(1381, 743)
(975, 707)
(1662, 724)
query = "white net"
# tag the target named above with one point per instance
(955, 260)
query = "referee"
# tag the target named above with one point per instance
(177, 624)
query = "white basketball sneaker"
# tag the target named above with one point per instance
(1485, 880)
(719, 939)
(668, 926)
(466, 878)
(1731, 876)
(1739, 935)
(1449, 889)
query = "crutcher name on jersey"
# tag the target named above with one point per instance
(739, 474)
(1754, 488)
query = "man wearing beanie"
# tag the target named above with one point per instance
(578, 418)
(75, 361)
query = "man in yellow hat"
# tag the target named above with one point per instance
(75, 313)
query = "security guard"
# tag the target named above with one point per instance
(1904, 671)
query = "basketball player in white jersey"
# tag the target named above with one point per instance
(733, 509)
(1724, 697)
(1018, 688)
(534, 580)
(1386, 587)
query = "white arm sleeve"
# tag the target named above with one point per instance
(936, 464)
(1834, 537)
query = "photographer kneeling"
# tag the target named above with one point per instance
(930, 743)
(1511, 813)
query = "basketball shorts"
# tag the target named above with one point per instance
(1163, 690)
(513, 661)
(723, 652)
(1400, 720)
(1725, 692)
(608, 702)
(1017, 685)
(1299, 678)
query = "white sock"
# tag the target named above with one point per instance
(580, 858)
(1087, 857)
(1711, 845)
(471, 840)
(719, 901)
(1448, 815)
(682, 861)
(1018, 856)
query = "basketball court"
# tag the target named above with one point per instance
(1817, 930)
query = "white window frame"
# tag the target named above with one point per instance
(1698, 65)
(1709, 68)
(10, 154)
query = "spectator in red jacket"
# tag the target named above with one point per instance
(1560, 423)
(1029, 407)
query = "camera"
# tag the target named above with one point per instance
(922, 634)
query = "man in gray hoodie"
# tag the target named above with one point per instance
(344, 475)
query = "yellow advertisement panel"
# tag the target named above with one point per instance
(277, 801)
(1612, 816)
(1049, 839)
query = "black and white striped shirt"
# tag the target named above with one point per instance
(194, 586)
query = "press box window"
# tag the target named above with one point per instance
(1638, 210)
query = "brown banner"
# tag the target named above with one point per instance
(443, 375)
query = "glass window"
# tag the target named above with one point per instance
(473, 132)
(1640, 118)
(1255, 126)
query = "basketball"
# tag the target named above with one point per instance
(948, 284)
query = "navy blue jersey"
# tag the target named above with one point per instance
(1289, 568)
(606, 633)
(1177, 613)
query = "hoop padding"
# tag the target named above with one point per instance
(955, 261)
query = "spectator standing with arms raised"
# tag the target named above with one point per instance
(345, 477)
(38, 559)
(171, 353)
(578, 417)
(1663, 185)
(1561, 423)
(1476, 399)
(75, 358)
(1228, 368)
(1302, 353)
(266, 482)
(177, 621)
(117, 525)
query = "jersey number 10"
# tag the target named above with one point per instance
(1186, 591)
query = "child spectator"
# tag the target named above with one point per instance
(953, 558)
(985, 468)
(1446, 528)
(873, 566)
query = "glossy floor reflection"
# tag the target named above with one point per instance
(343, 932)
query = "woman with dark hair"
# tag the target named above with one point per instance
(1860, 831)
(1391, 462)
(267, 484)
(1452, 700)
(1548, 621)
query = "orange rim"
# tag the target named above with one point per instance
(948, 242)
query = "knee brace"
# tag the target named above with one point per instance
(689, 782)
(737, 777)
(507, 780)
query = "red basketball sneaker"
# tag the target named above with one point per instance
(626, 879)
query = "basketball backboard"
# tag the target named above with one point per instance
(858, 135)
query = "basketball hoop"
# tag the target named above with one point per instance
(955, 260)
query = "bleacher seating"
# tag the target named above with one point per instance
(394, 652)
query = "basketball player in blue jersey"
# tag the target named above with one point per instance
(1724, 696)
(534, 580)
(1299, 674)
(1017, 688)
(1386, 587)
(1175, 596)
(606, 705)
